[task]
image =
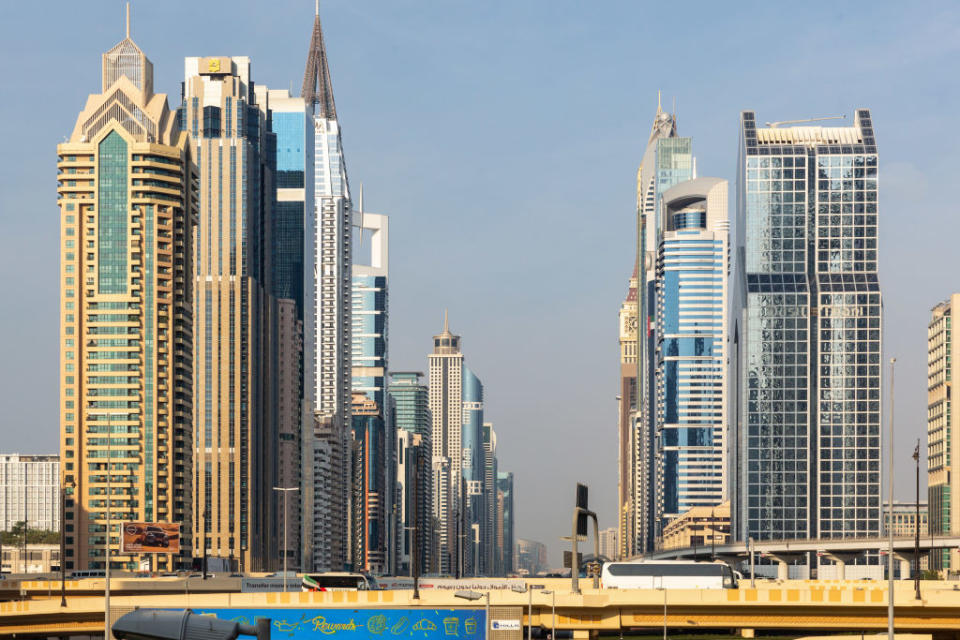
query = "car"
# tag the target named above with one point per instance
(155, 537)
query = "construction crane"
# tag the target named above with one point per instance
(774, 125)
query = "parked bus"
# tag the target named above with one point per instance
(667, 574)
(337, 581)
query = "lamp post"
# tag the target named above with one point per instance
(284, 491)
(890, 633)
(106, 591)
(553, 612)
(916, 539)
(473, 596)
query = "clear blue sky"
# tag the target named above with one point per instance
(502, 138)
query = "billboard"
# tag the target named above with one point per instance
(150, 537)
(389, 624)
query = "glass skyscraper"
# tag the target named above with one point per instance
(807, 332)
(691, 355)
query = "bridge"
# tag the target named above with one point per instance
(838, 550)
(794, 606)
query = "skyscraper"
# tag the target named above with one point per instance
(369, 354)
(411, 414)
(446, 411)
(235, 417)
(126, 187)
(667, 160)
(488, 532)
(807, 332)
(626, 420)
(943, 423)
(505, 524)
(291, 123)
(691, 355)
(327, 322)
(368, 487)
(469, 542)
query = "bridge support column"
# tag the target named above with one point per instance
(840, 560)
(783, 568)
(905, 565)
(748, 633)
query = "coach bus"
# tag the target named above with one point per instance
(667, 574)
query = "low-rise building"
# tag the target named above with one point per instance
(698, 527)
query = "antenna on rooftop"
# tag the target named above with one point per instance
(774, 125)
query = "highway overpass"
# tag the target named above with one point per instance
(837, 550)
(793, 606)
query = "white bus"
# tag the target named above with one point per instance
(667, 574)
(337, 581)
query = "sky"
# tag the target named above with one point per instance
(502, 139)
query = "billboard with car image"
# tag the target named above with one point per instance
(150, 537)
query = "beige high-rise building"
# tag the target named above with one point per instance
(235, 366)
(127, 195)
(626, 410)
(943, 425)
(446, 410)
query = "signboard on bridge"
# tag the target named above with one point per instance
(389, 624)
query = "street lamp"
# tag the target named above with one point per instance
(890, 633)
(284, 491)
(473, 596)
(553, 612)
(518, 589)
(106, 591)
(916, 540)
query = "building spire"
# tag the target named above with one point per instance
(128, 20)
(317, 87)
(446, 325)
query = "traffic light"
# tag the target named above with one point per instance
(157, 624)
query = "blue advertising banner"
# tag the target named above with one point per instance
(389, 624)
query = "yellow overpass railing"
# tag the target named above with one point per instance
(794, 605)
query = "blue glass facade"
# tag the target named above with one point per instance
(690, 377)
(472, 468)
(369, 336)
(290, 128)
(112, 185)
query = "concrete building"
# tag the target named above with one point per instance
(627, 463)
(905, 518)
(943, 469)
(411, 414)
(667, 160)
(327, 322)
(370, 348)
(692, 386)
(126, 189)
(446, 411)
(39, 558)
(531, 557)
(505, 564)
(414, 502)
(806, 333)
(29, 491)
(235, 413)
(698, 527)
(608, 543)
(367, 511)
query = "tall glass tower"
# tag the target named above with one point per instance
(691, 354)
(327, 324)
(807, 332)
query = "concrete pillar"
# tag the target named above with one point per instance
(747, 633)
(904, 568)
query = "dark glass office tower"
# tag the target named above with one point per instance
(806, 329)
